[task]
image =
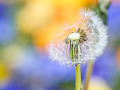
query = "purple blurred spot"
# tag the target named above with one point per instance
(3, 10)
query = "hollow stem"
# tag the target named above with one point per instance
(88, 75)
(78, 77)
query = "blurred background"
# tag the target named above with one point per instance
(26, 28)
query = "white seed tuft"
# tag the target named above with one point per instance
(74, 36)
(90, 49)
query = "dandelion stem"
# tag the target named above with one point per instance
(88, 75)
(78, 78)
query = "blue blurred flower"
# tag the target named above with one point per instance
(3, 10)
(34, 65)
(106, 66)
(13, 85)
(114, 18)
(36, 69)
(38, 64)
(7, 31)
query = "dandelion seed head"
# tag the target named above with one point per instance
(81, 42)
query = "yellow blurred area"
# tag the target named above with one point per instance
(40, 18)
(42, 37)
(3, 72)
(34, 15)
(97, 83)
(68, 3)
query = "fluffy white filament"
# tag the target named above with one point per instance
(93, 47)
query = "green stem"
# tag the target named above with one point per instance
(88, 75)
(78, 78)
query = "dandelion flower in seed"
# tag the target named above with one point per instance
(81, 42)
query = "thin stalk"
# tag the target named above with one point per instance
(78, 77)
(88, 75)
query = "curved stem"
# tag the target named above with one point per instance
(78, 77)
(88, 75)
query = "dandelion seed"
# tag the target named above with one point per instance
(81, 42)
